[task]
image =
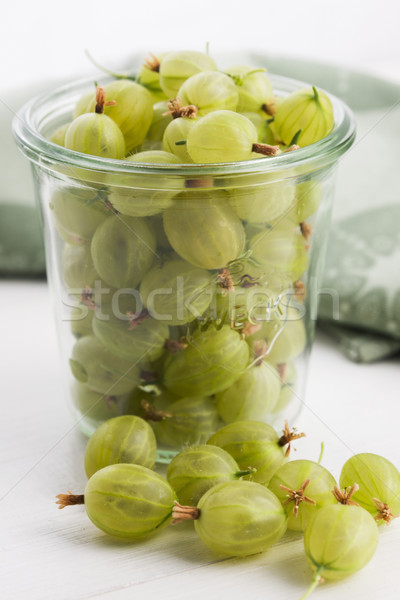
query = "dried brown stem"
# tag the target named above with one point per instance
(344, 496)
(176, 109)
(152, 63)
(152, 414)
(260, 348)
(288, 436)
(101, 100)
(306, 230)
(292, 147)
(265, 149)
(87, 298)
(175, 346)
(225, 281)
(385, 512)
(297, 496)
(135, 319)
(269, 108)
(184, 513)
(282, 368)
(300, 291)
(69, 499)
(250, 328)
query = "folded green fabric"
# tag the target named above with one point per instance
(21, 242)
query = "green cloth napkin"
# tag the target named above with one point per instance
(21, 242)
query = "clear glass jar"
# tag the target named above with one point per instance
(183, 293)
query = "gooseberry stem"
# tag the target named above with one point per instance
(101, 101)
(321, 453)
(265, 149)
(176, 110)
(105, 70)
(288, 435)
(315, 582)
(184, 513)
(151, 414)
(69, 499)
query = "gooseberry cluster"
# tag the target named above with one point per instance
(238, 510)
(188, 298)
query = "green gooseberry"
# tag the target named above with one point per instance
(209, 91)
(176, 292)
(257, 444)
(289, 378)
(95, 133)
(131, 110)
(291, 339)
(195, 470)
(254, 87)
(176, 132)
(161, 120)
(77, 212)
(280, 251)
(309, 111)
(149, 76)
(94, 405)
(203, 229)
(265, 133)
(124, 439)
(129, 332)
(307, 201)
(339, 541)
(379, 485)
(303, 487)
(145, 198)
(94, 364)
(224, 136)
(77, 266)
(126, 501)
(239, 306)
(81, 321)
(212, 361)
(178, 66)
(254, 395)
(81, 106)
(262, 203)
(58, 136)
(123, 250)
(183, 422)
(236, 518)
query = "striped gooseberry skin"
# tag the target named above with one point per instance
(176, 292)
(263, 203)
(240, 518)
(102, 370)
(177, 131)
(340, 540)
(308, 110)
(292, 475)
(129, 501)
(77, 213)
(124, 439)
(254, 395)
(280, 250)
(209, 91)
(195, 470)
(212, 361)
(204, 230)
(189, 421)
(123, 250)
(132, 111)
(178, 66)
(254, 88)
(77, 266)
(95, 134)
(251, 443)
(377, 478)
(221, 136)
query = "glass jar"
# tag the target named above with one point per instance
(186, 294)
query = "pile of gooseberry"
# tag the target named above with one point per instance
(237, 510)
(188, 296)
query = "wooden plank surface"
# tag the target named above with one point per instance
(52, 554)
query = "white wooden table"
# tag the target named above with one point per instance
(47, 554)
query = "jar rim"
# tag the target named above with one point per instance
(29, 120)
